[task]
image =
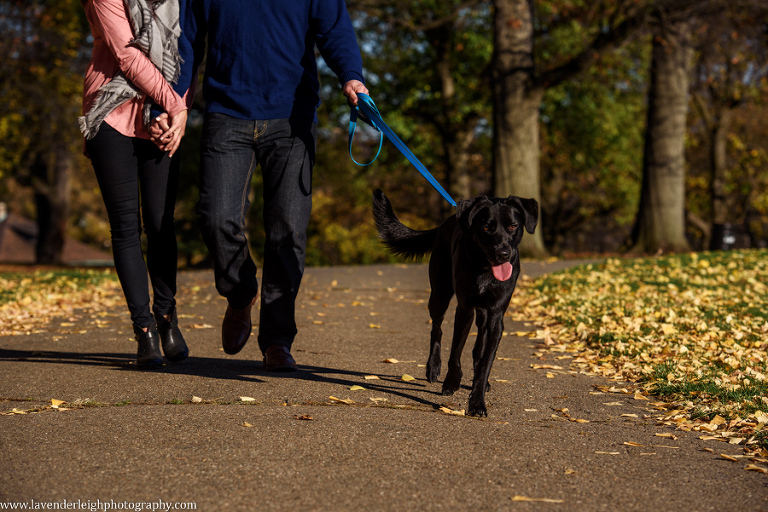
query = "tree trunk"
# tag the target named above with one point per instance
(516, 105)
(456, 138)
(718, 148)
(52, 181)
(660, 224)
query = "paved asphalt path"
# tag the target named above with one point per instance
(139, 436)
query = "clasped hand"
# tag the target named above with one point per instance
(167, 132)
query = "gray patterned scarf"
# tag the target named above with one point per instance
(156, 32)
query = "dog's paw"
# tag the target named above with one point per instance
(433, 372)
(477, 410)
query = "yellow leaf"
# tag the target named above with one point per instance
(196, 399)
(342, 401)
(391, 361)
(718, 420)
(638, 396)
(570, 471)
(202, 326)
(728, 457)
(581, 421)
(356, 388)
(671, 436)
(56, 403)
(377, 400)
(608, 453)
(247, 399)
(550, 375)
(531, 410)
(446, 410)
(407, 378)
(374, 326)
(632, 443)
(629, 415)
(371, 377)
(542, 500)
(246, 424)
(18, 411)
(752, 467)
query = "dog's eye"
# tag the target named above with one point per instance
(486, 228)
(511, 228)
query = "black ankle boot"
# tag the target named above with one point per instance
(148, 353)
(174, 347)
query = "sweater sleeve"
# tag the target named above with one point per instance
(112, 23)
(336, 40)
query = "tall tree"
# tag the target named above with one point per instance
(519, 80)
(41, 84)
(732, 63)
(660, 223)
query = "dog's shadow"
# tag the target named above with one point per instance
(229, 369)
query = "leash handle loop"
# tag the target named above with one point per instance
(369, 112)
(352, 125)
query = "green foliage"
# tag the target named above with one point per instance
(591, 149)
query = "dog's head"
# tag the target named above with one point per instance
(496, 225)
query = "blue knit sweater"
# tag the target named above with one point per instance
(261, 54)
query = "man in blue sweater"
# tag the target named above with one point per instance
(261, 93)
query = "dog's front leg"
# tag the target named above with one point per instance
(461, 325)
(488, 338)
(439, 301)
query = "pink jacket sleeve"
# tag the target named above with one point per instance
(111, 21)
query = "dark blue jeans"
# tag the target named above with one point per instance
(139, 180)
(230, 150)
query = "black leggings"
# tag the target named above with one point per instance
(138, 180)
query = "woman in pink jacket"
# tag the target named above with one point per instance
(134, 61)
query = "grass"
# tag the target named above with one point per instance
(691, 329)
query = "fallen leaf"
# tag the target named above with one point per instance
(377, 400)
(356, 388)
(246, 424)
(752, 467)
(374, 326)
(531, 410)
(202, 326)
(629, 415)
(608, 453)
(407, 378)
(446, 410)
(570, 471)
(18, 411)
(671, 436)
(371, 377)
(304, 417)
(613, 403)
(391, 361)
(728, 457)
(247, 399)
(196, 399)
(550, 375)
(632, 443)
(339, 400)
(56, 403)
(542, 500)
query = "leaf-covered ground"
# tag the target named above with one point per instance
(691, 329)
(36, 301)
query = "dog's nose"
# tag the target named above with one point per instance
(503, 254)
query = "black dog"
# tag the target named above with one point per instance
(474, 255)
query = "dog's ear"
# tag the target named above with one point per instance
(530, 209)
(466, 209)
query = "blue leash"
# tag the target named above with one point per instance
(371, 115)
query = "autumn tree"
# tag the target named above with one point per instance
(729, 75)
(41, 85)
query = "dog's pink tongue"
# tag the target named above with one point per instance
(502, 272)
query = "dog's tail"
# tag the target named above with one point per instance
(398, 237)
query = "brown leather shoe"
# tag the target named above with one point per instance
(277, 358)
(236, 328)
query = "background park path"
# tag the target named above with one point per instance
(138, 436)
